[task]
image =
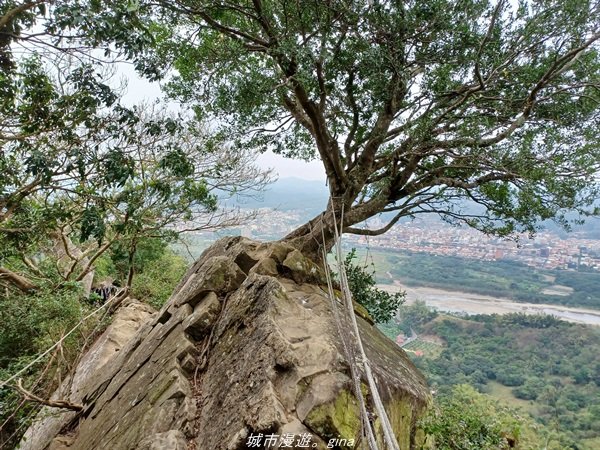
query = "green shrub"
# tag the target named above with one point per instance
(464, 419)
(30, 325)
(381, 304)
(159, 277)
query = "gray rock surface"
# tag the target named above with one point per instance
(247, 344)
(126, 322)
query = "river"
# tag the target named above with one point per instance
(469, 303)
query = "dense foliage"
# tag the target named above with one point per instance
(546, 366)
(410, 106)
(382, 305)
(31, 324)
(80, 168)
(463, 419)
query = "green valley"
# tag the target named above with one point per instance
(504, 278)
(541, 366)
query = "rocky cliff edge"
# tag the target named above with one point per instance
(246, 351)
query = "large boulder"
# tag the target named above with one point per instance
(246, 350)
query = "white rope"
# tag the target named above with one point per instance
(368, 254)
(388, 432)
(367, 429)
(57, 343)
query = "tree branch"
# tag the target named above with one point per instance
(12, 13)
(29, 396)
(91, 261)
(17, 280)
(367, 232)
(485, 40)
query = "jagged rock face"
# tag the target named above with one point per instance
(247, 344)
(125, 324)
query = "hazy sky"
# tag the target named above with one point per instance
(140, 90)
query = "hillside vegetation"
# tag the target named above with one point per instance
(545, 367)
(507, 279)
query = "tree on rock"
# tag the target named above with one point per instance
(413, 107)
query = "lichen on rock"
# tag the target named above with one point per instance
(247, 344)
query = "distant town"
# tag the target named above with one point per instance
(546, 251)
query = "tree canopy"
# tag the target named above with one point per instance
(80, 170)
(92, 191)
(485, 112)
(413, 107)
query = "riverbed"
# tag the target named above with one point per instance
(469, 303)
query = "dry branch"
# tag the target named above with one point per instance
(29, 396)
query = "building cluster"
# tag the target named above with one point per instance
(546, 250)
(272, 224)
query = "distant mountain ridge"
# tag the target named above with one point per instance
(287, 194)
(311, 196)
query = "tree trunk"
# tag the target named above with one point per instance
(17, 280)
(317, 233)
(308, 238)
(70, 256)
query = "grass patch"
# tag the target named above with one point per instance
(504, 394)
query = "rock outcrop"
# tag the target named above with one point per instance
(246, 347)
(126, 322)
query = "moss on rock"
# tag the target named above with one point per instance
(338, 419)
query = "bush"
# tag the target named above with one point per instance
(381, 305)
(464, 419)
(509, 378)
(30, 325)
(159, 277)
(157, 270)
(530, 390)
